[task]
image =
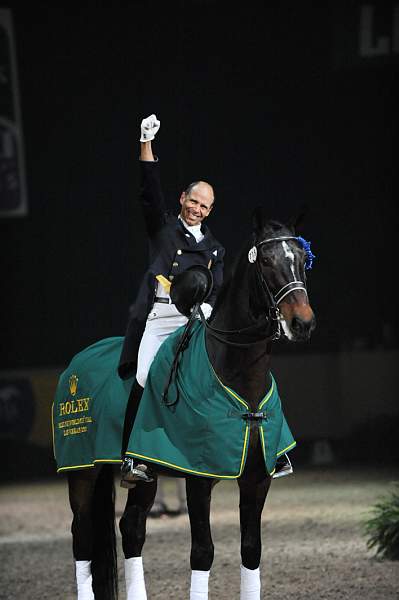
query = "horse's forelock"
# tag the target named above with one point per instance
(274, 228)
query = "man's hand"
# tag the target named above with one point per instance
(149, 128)
(206, 311)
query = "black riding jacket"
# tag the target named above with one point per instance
(172, 249)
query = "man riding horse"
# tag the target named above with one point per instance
(211, 410)
(176, 245)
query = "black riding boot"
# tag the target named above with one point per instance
(131, 411)
(131, 471)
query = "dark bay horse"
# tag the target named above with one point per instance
(264, 298)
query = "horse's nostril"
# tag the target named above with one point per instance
(297, 325)
(301, 327)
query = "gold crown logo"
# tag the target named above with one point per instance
(73, 384)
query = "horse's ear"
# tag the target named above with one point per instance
(296, 221)
(258, 219)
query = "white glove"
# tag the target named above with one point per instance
(149, 128)
(206, 309)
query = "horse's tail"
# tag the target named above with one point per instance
(104, 561)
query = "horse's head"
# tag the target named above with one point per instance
(280, 258)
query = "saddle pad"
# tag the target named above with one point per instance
(89, 408)
(204, 432)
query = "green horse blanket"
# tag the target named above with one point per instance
(204, 432)
(89, 408)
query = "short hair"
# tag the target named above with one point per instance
(192, 185)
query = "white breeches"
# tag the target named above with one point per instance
(163, 320)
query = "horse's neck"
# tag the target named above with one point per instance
(245, 369)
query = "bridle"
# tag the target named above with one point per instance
(273, 315)
(271, 318)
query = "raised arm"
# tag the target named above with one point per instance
(151, 196)
(146, 152)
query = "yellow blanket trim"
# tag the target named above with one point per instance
(52, 430)
(192, 472)
(262, 438)
(229, 391)
(90, 465)
(268, 396)
(261, 404)
(286, 449)
(237, 397)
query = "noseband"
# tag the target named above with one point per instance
(286, 289)
(273, 315)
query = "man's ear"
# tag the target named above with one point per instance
(182, 197)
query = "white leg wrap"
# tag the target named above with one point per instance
(84, 579)
(199, 585)
(250, 584)
(134, 578)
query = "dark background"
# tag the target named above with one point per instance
(271, 103)
(261, 101)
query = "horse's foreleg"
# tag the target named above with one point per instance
(133, 529)
(199, 503)
(252, 499)
(81, 487)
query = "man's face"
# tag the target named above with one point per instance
(196, 205)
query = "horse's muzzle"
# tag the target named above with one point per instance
(302, 329)
(298, 321)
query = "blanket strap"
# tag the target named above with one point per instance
(254, 416)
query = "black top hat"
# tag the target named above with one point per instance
(191, 287)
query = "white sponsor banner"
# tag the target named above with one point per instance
(13, 197)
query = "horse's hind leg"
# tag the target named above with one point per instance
(252, 499)
(132, 526)
(199, 503)
(81, 486)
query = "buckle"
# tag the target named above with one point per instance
(254, 416)
(274, 313)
